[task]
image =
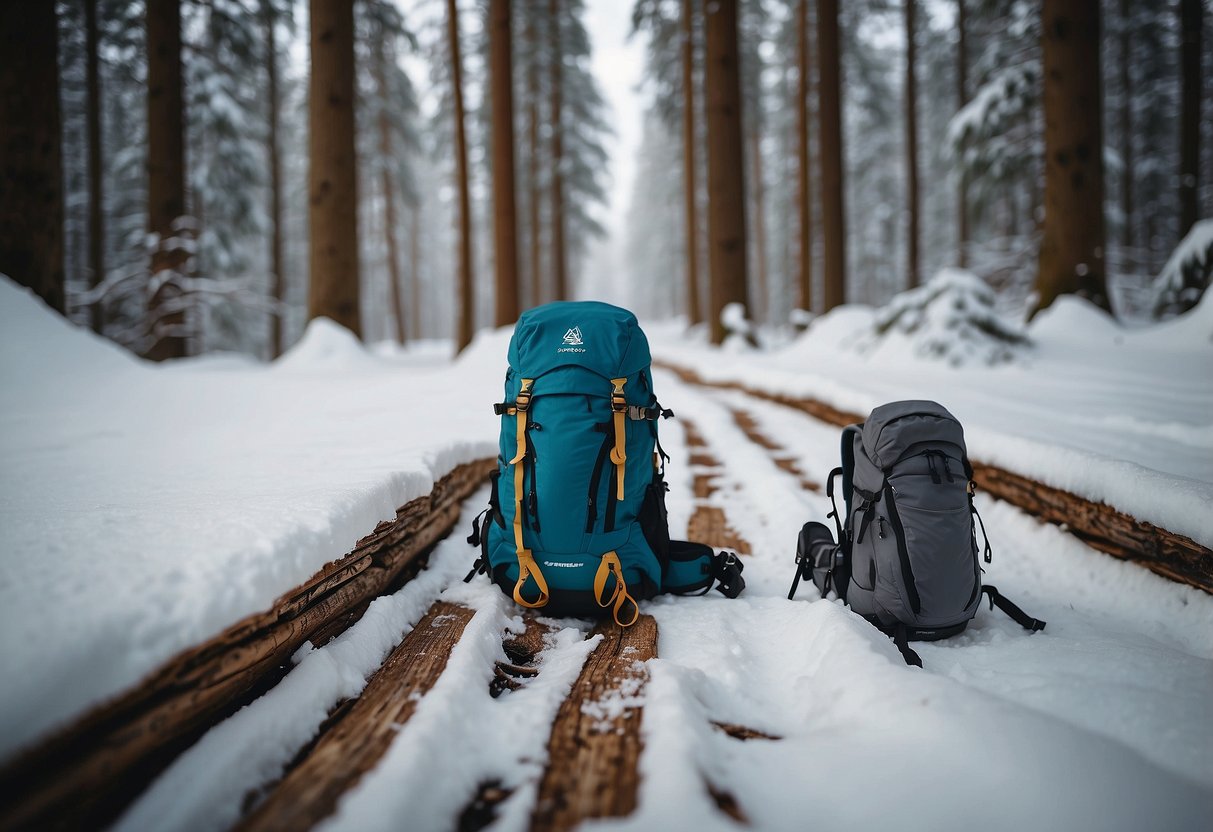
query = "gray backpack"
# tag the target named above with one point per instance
(906, 557)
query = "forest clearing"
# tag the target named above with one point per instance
(277, 553)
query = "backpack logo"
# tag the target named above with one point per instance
(572, 341)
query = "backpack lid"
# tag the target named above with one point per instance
(894, 427)
(593, 335)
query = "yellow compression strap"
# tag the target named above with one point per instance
(619, 407)
(610, 565)
(527, 568)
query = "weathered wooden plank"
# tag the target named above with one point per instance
(354, 745)
(85, 774)
(1099, 525)
(595, 741)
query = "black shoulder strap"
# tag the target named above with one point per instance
(903, 645)
(1019, 616)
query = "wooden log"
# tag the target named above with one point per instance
(355, 744)
(595, 742)
(1097, 524)
(709, 525)
(85, 774)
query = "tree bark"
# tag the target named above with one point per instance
(1191, 14)
(31, 169)
(694, 306)
(166, 178)
(415, 268)
(277, 258)
(829, 113)
(962, 98)
(1072, 247)
(465, 324)
(726, 164)
(333, 168)
(913, 277)
(533, 190)
(804, 197)
(96, 206)
(384, 58)
(560, 265)
(505, 217)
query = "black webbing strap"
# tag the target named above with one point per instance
(907, 652)
(726, 569)
(1019, 616)
(834, 505)
(503, 408)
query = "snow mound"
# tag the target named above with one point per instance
(1074, 318)
(951, 318)
(39, 343)
(327, 345)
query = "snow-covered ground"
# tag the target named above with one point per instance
(1123, 416)
(144, 508)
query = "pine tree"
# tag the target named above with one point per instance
(690, 196)
(465, 325)
(96, 204)
(332, 174)
(560, 262)
(726, 164)
(962, 98)
(912, 200)
(271, 15)
(1191, 29)
(1072, 250)
(804, 200)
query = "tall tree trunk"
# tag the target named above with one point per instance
(533, 190)
(1072, 247)
(96, 206)
(962, 98)
(911, 104)
(726, 164)
(31, 170)
(165, 176)
(694, 307)
(333, 167)
(415, 268)
(804, 197)
(1191, 14)
(505, 217)
(560, 264)
(760, 228)
(277, 257)
(829, 113)
(385, 58)
(1126, 140)
(466, 316)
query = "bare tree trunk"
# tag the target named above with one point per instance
(96, 206)
(277, 258)
(415, 268)
(165, 176)
(911, 103)
(829, 113)
(962, 98)
(505, 217)
(532, 83)
(1072, 248)
(694, 307)
(1191, 14)
(389, 194)
(760, 228)
(560, 265)
(726, 164)
(333, 168)
(31, 170)
(804, 196)
(466, 320)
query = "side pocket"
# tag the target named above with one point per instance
(495, 498)
(654, 522)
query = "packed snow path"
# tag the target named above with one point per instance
(775, 712)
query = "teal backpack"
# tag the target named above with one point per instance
(576, 523)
